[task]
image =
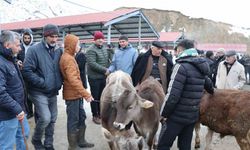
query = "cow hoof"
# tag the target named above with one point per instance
(96, 120)
(197, 146)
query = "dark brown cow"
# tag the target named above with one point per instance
(227, 112)
(142, 108)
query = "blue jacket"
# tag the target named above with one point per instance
(41, 70)
(11, 86)
(124, 59)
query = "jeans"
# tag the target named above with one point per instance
(75, 115)
(46, 113)
(11, 133)
(96, 88)
(20, 145)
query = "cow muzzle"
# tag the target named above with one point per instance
(119, 126)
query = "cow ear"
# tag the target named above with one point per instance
(145, 103)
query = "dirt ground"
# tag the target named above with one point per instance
(95, 136)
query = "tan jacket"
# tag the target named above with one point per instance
(72, 84)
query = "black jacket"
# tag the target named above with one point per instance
(141, 65)
(81, 61)
(12, 91)
(185, 90)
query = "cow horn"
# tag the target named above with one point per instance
(145, 103)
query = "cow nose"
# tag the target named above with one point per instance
(119, 126)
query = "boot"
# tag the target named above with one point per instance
(72, 139)
(81, 139)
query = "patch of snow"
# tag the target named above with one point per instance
(242, 30)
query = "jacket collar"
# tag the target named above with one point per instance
(7, 53)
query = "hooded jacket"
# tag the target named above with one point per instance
(24, 47)
(72, 84)
(188, 79)
(12, 92)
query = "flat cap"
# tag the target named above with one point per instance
(230, 53)
(158, 44)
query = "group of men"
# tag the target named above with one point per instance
(36, 72)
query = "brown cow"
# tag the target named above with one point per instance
(227, 112)
(142, 108)
(116, 84)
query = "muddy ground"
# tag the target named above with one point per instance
(94, 133)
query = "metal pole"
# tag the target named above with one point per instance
(139, 31)
(109, 34)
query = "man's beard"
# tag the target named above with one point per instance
(26, 42)
(52, 44)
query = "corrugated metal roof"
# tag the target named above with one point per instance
(170, 36)
(122, 22)
(215, 47)
(68, 20)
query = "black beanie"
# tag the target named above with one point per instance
(50, 29)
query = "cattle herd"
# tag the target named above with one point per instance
(131, 115)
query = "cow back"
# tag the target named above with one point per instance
(226, 111)
(150, 89)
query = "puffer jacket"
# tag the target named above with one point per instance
(98, 61)
(12, 93)
(72, 84)
(188, 79)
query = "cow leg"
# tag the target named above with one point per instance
(244, 143)
(197, 135)
(110, 139)
(209, 137)
(156, 140)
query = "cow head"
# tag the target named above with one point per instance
(130, 143)
(129, 106)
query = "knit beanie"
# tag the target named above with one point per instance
(98, 35)
(50, 29)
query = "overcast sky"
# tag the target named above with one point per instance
(235, 12)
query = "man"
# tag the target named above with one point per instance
(124, 57)
(230, 74)
(219, 57)
(98, 60)
(155, 62)
(27, 41)
(73, 92)
(12, 94)
(42, 74)
(81, 61)
(181, 105)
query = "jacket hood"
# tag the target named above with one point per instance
(127, 47)
(199, 62)
(7, 53)
(27, 31)
(188, 52)
(70, 42)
